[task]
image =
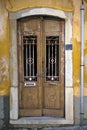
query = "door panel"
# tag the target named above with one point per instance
(30, 85)
(51, 97)
(41, 66)
(53, 84)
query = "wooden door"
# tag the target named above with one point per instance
(41, 66)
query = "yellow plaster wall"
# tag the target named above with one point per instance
(7, 6)
(4, 50)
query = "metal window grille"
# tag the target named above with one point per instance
(30, 57)
(52, 58)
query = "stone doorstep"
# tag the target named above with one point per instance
(40, 122)
(45, 123)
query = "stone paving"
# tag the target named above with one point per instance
(54, 128)
(67, 128)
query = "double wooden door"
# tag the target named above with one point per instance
(41, 66)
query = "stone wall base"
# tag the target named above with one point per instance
(4, 112)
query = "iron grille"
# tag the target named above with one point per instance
(52, 58)
(30, 57)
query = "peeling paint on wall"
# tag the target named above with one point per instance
(2, 28)
(4, 74)
(3, 18)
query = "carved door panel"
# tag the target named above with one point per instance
(41, 66)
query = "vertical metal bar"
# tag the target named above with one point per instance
(56, 59)
(82, 67)
(48, 58)
(30, 61)
(52, 63)
(26, 60)
(33, 59)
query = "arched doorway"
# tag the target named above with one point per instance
(14, 95)
(41, 66)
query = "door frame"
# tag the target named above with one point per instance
(14, 108)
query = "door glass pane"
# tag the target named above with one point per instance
(30, 57)
(52, 58)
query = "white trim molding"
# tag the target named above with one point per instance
(68, 119)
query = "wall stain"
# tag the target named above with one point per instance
(76, 63)
(85, 1)
(86, 13)
(14, 5)
(4, 74)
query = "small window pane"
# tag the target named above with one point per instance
(52, 58)
(30, 58)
